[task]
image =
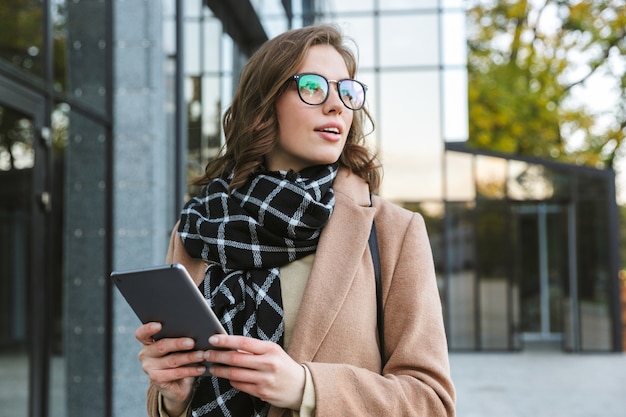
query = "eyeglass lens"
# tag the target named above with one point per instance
(313, 89)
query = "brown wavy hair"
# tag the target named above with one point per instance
(251, 125)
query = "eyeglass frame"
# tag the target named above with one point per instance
(296, 77)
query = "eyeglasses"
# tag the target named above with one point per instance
(313, 89)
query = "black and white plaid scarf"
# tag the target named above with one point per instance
(246, 236)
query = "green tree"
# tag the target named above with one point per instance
(526, 60)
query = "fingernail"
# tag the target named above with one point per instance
(213, 340)
(187, 343)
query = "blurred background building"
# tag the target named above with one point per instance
(108, 107)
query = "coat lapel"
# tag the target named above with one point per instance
(338, 256)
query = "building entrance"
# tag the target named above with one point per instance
(543, 238)
(25, 277)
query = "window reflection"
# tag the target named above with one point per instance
(16, 140)
(490, 177)
(528, 182)
(459, 181)
(21, 35)
(410, 136)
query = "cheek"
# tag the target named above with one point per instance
(287, 128)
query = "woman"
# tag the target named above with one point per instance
(278, 243)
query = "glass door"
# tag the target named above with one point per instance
(24, 203)
(541, 271)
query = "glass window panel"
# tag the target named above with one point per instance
(211, 110)
(490, 177)
(192, 8)
(21, 35)
(561, 183)
(169, 8)
(454, 39)
(594, 267)
(361, 30)
(528, 182)
(409, 40)
(460, 268)
(59, 20)
(268, 7)
(408, 4)
(459, 177)
(493, 260)
(494, 313)
(410, 136)
(193, 95)
(16, 140)
(87, 55)
(453, 4)
(192, 47)
(274, 25)
(557, 264)
(228, 54)
(348, 5)
(592, 187)
(595, 323)
(16, 192)
(272, 15)
(212, 29)
(455, 118)
(205, 135)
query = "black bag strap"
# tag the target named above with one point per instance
(373, 243)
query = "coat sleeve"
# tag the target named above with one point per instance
(416, 377)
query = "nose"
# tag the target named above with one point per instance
(333, 103)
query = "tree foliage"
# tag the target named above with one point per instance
(528, 63)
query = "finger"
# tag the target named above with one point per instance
(145, 332)
(241, 343)
(185, 359)
(167, 346)
(235, 374)
(166, 376)
(174, 366)
(233, 358)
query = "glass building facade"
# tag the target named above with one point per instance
(108, 107)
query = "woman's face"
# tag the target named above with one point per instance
(311, 135)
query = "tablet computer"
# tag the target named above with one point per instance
(167, 294)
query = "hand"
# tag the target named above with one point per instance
(260, 368)
(166, 364)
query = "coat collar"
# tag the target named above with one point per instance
(338, 256)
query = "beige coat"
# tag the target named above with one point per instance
(335, 333)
